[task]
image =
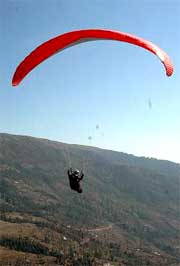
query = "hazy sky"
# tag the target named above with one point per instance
(119, 87)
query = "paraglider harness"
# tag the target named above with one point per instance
(74, 179)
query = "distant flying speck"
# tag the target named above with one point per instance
(150, 104)
(89, 138)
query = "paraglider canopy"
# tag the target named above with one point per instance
(68, 39)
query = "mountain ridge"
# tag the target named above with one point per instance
(122, 155)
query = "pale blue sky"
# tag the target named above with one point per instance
(105, 83)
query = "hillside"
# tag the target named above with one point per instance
(127, 214)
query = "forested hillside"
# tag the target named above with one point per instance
(127, 214)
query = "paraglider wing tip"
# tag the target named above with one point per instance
(15, 81)
(14, 84)
(169, 67)
(166, 61)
